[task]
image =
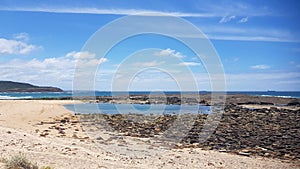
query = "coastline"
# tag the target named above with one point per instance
(51, 135)
(69, 95)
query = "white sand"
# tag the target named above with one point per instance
(18, 124)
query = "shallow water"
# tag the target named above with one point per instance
(107, 108)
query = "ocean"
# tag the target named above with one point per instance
(39, 95)
(108, 108)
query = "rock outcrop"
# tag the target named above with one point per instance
(265, 132)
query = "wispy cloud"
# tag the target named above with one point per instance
(190, 64)
(10, 46)
(117, 11)
(81, 55)
(228, 12)
(225, 32)
(260, 67)
(222, 32)
(205, 10)
(237, 9)
(86, 58)
(21, 36)
(250, 38)
(227, 19)
(243, 20)
(169, 52)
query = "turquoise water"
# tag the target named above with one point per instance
(107, 108)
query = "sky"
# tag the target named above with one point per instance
(256, 42)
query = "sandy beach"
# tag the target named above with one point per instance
(51, 135)
(149, 84)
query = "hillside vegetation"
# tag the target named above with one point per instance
(9, 86)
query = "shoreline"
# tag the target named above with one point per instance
(178, 99)
(62, 134)
(67, 95)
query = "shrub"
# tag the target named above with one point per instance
(20, 162)
(47, 167)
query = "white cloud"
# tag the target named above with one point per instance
(227, 12)
(58, 71)
(254, 38)
(169, 52)
(21, 36)
(190, 64)
(225, 32)
(260, 67)
(206, 10)
(227, 19)
(16, 47)
(86, 58)
(236, 8)
(81, 55)
(86, 10)
(243, 20)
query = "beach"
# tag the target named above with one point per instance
(51, 135)
(149, 84)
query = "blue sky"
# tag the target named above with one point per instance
(258, 42)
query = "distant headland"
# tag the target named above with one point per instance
(10, 86)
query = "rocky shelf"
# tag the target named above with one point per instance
(272, 132)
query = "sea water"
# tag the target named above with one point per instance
(38, 95)
(108, 108)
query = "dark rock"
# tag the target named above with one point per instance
(294, 103)
(202, 102)
(248, 103)
(270, 133)
(173, 100)
(266, 103)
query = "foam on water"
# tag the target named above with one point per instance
(277, 96)
(13, 98)
(21, 95)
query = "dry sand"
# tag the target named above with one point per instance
(24, 114)
(21, 131)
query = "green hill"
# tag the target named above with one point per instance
(9, 86)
